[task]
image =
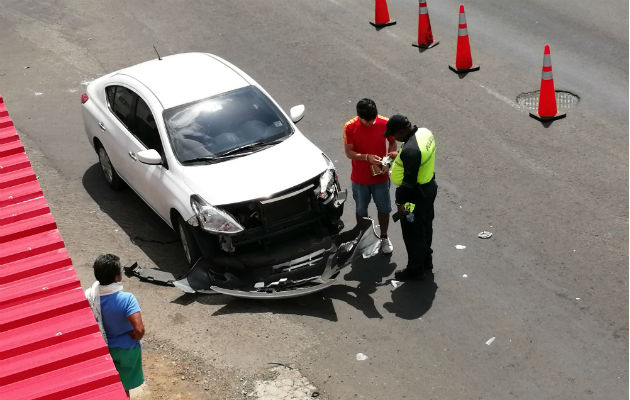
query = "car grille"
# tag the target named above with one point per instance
(287, 207)
(291, 208)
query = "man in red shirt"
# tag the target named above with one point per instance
(365, 146)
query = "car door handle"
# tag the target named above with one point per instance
(102, 126)
(133, 155)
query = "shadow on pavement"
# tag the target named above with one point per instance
(413, 299)
(315, 305)
(143, 227)
(156, 239)
(368, 272)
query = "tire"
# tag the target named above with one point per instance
(111, 176)
(189, 244)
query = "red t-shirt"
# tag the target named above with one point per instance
(366, 140)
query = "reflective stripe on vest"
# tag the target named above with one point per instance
(426, 144)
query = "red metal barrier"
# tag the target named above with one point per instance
(50, 345)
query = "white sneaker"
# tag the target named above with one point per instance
(386, 246)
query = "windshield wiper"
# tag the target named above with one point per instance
(213, 159)
(209, 159)
(249, 146)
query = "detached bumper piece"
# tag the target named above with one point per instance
(297, 277)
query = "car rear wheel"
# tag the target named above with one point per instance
(111, 176)
(191, 250)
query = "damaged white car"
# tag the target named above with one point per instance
(256, 205)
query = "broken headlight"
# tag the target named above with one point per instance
(328, 183)
(212, 219)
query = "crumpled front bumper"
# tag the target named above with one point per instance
(361, 241)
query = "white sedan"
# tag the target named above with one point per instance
(257, 206)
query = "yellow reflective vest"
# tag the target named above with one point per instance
(426, 146)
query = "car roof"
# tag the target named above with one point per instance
(187, 77)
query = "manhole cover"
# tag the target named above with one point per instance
(564, 100)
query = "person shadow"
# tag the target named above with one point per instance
(369, 272)
(412, 299)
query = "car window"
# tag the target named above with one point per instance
(111, 91)
(123, 104)
(145, 128)
(224, 123)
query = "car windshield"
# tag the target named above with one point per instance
(240, 121)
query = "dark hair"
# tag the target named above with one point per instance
(366, 109)
(107, 268)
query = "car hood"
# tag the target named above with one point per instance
(257, 175)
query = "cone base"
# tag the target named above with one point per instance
(425, 46)
(462, 71)
(547, 119)
(383, 25)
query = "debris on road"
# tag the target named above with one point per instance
(460, 246)
(484, 235)
(284, 383)
(465, 276)
(361, 357)
(489, 341)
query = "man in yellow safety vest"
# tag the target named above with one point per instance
(413, 173)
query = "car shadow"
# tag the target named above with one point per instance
(143, 227)
(411, 300)
(368, 272)
(161, 245)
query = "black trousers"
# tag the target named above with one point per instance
(418, 235)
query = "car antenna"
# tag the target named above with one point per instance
(156, 52)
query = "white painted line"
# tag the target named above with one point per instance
(504, 99)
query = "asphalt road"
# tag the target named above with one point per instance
(539, 311)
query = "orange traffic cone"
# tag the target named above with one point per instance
(425, 36)
(381, 15)
(463, 58)
(547, 109)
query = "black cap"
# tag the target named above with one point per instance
(396, 123)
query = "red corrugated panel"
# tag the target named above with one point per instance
(14, 162)
(50, 345)
(23, 210)
(31, 266)
(46, 333)
(8, 134)
(68, 381)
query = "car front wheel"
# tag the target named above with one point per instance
(191, 250)
(111, 176)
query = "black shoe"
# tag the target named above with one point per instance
(409, 275)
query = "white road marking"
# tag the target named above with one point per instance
(504, 99)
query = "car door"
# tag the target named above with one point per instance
(119, 141)
(154, 183)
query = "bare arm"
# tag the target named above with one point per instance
(392, 149)
(138, 326)
(353, 155)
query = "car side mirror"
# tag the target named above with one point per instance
(151, 157)
(297, 113)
